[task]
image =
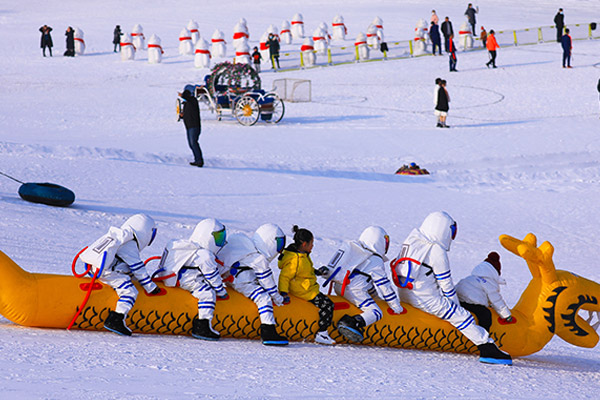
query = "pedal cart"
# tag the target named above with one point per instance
(235, 89)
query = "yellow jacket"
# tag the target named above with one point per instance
(297, 275)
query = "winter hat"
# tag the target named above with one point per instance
(494, 259)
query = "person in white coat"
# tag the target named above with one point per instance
(191, 265)
(431, 288)
(115, 259)
(481, 290)
(358, 272)
(248, 262)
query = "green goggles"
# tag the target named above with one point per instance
(220, 237)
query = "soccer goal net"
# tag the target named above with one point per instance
(293, 90)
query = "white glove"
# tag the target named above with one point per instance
(398, 309)
(277, 299)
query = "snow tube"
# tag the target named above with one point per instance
(47, 193)
(548, 306)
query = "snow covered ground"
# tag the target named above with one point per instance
(522, 156)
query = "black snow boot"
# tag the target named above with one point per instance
(115, 322)
(351, 327)
(489, 353)
(270, 337)
(201, 330)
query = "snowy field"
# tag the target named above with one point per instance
(522, 155)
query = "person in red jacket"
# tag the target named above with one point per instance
(492, 46)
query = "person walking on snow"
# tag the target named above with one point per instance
(191, 265)
(441, 99)
(470, 13)
(434, 36)
(431, 287)
(298, 277)
(117, 38)
(358, 272)
(452, 54)
(70, 52)
(483, 37)
(190, 114)
(256, 58)
(481, 290)
(447, 31)
(115, 257)
(559, 21)
(567, 46)
(46, 40)
(248, 263)
(492, 47)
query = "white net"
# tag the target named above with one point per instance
(293, 90)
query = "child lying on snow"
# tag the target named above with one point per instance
(122, 247)
(481, 289)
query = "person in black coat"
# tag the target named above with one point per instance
(434, 35)
(46, 40)
(559, 21)
(442, 103)
(470, 13)
(599, 90)
(273, 45)
(191, 119)
(70, 42)
(567, 45)
(447, 31)
(117, 38)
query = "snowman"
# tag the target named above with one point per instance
(285, 34)
(242, 54)
(240, 35)
(362, 50)
(219, 48)
(185, 42)
(308, 55)
(192, 26)
(202, 55)
(127, 48)
(137, 35)
(378, 22)
(79, 42)
(338, 28)
(320, 43)
(155, 50)
(326, 34)
(372, 37)
(465, 36)
(420, 37)
(297, 26)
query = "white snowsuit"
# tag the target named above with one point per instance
(483, 287)
(365, 269)
(252, 274)
(193, 268)
(433, 290)
(122, 247)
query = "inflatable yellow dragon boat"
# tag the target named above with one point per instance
(548, 306)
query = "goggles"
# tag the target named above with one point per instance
(220, 237)
(280, 243)
(152, 237)
(387, 243)
(453, 229)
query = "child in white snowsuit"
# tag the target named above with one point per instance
(120, 249)
(481, 289)
(432, 289)
(248, 261)
(191, 265)
(357, 270)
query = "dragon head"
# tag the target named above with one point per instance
(556, 296)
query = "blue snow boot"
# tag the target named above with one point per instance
(270, 337)
(351, 327)
(489, 353)
(201, 330)
(115, 322)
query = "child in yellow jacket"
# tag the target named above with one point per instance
(298, 277)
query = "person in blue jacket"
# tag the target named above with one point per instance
(567, 45)
(434, 35)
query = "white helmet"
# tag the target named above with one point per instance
(375, 239)
(269, 240)
(143, 227)
(439, 227)
(210, 234)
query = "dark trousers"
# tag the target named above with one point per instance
(566, 58)
(193, 134)
(446, 44)
(439, 47)
(257, 67)
(44, 50)
(275, 59)
(453, 62)
(483, 314)
(492, 59)
(325, 306)
(559, 32)
(117, 46)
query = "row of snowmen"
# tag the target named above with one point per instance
(421, 39)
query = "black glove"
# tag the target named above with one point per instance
(322, 271)
(155, 291)
(286, 298)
